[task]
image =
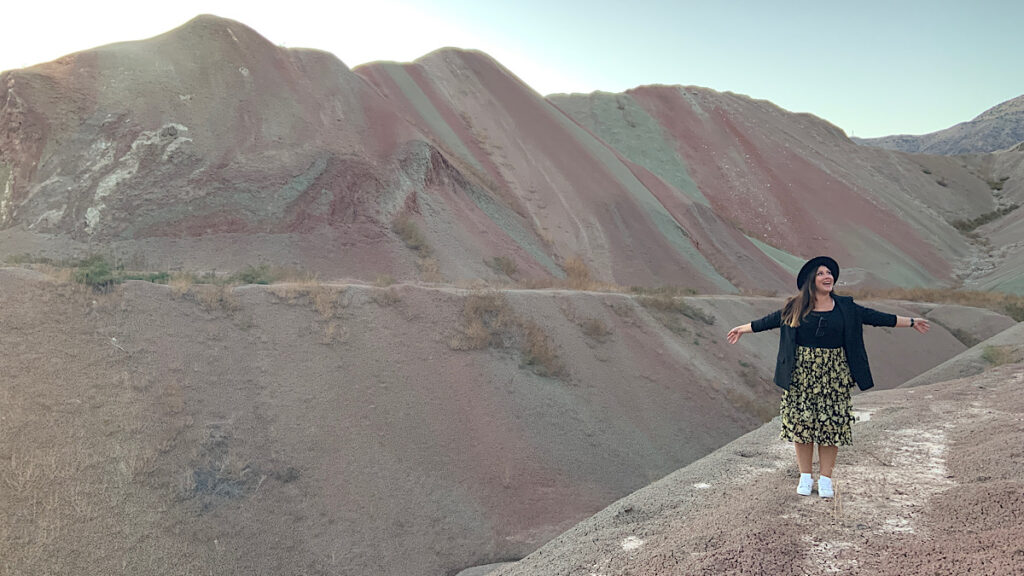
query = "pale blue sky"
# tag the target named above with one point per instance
(870, 67)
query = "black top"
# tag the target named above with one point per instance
(854, 317)
(821, 330)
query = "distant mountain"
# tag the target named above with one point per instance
(998, 128)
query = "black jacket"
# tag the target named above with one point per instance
(854, 318)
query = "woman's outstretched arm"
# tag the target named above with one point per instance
(734, 335)
(876, 318)
(773, 320)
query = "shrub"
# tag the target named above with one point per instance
(98, 272)
(430, 270)
(667, 291)
(411, 235)
(310, 291)
(967, 226)
(181, 282)
(577, 275)
(154, 277)
(999, 355)
(95, 271)
(487, 319)
(670, 304)
(489, 322)
(595, 329)
(502, 265)
(385, 297)
(253, 275)
(214, 298)
(538, 352)
(323, 298)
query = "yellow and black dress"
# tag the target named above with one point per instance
(817, 408)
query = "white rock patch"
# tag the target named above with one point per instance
(862, 415)
(129, 165)
(632, 543)
(5, 199)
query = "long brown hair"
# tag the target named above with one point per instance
(798, 307)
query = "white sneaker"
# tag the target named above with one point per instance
(805, 485)
(825, 487)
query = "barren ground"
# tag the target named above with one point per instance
(342, 428)
(932, 486)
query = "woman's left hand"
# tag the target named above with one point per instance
(921, 325)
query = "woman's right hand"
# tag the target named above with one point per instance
(734, 335)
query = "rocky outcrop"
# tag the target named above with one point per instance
(998, 128)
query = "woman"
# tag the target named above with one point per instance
(821, 356)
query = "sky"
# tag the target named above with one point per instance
(871, 67)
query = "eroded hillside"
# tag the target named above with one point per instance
(210, 148)
(328, 428)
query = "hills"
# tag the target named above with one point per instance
(210, 148)
(497, 314)
(326, 428)
(998, 128)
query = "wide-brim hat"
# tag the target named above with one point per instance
(811, 266)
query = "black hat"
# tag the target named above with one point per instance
(812, 266)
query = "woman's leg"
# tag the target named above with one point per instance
(827, 459)
(804, 456)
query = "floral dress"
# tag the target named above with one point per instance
(817, 407)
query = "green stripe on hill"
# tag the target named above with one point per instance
(620, 121)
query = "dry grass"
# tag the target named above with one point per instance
(577, 277)
(332, 333)
(663, 291)
(181, 283)
(213, 298)
(999, 355)
(539, 352)
(486, 320)
(966, 226)
(411, 235)
(542, 283)
(384, 280)
(675, 305)
(503, 265)
(385, 297)
(59, 274)
(595, 329)
(1008, 304)
(577, 274)
(323, 299)
(489, 322)
(430, 270)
